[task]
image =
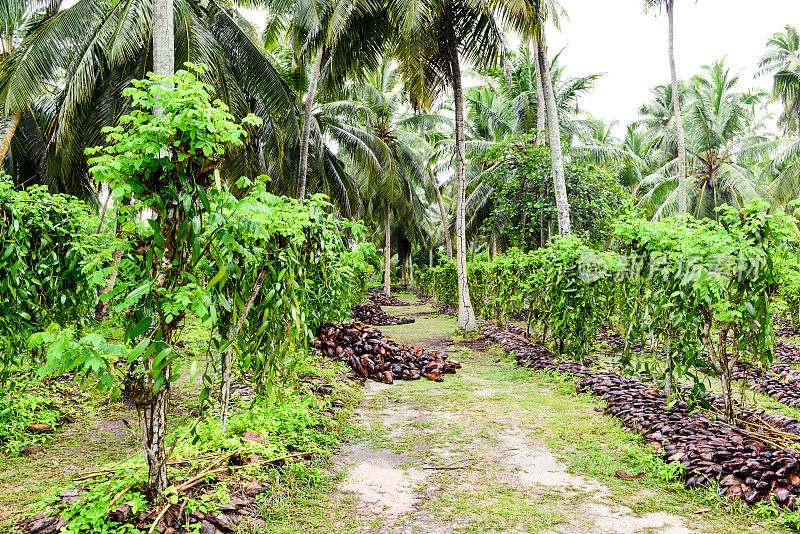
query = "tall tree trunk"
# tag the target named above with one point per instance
(445, 221)
(430, 258)
(541, 115)
(677, 109)
(152, 429)
(556, 157)
(466, 314)
(104, 211)
(387, 253)
(163, 39)
(8, 133)
(439, 200)
(304, 141)
(225, 389)
(152, 405)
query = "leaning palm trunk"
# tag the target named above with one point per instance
(466, 314)
(8, 134)
(556, 157)
(445, 222)
(387, 253)
(225, 390)
(304, 141)
(677, 107)
(541, 116)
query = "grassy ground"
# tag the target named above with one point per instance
(504, 449)
(100, 438)
(495, 448)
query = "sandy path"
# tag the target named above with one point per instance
(468, 455)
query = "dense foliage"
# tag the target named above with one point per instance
(47, 244)
(524, 213)
(704, 291)
(264, 271)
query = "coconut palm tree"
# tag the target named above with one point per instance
(669, 7)
(720, 151)
(19, 18)
(782, 60)
(370, 119)
(435, 38)
(658, 116)
(76, 64)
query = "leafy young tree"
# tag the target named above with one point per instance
(175, 112)
(525, 214)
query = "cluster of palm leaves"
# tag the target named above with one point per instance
(355, 101)
(369, 140)
(733, 152)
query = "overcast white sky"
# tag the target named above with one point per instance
(618, 38)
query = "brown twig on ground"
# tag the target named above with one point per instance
(158, 517)
(94, 474)
(278, 459)
(119, 495)
(198, 478)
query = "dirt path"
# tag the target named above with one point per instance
(501, 449)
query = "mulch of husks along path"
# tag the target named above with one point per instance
(467, 454)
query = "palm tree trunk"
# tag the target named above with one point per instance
(556, 157)
(447, 243)
(103, 212)
(304, 141)
(541, 115)
(387, 253)
(445, 223)
(466, 314)
(677, 107)
(8, 133)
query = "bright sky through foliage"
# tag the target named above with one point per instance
(618, 38)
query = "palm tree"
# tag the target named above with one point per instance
(369, 121)
(433, 38)
(658, 116)
(669, 6)
(782, 60)
(720, 150)
(554, 132)
(19, 18)
(355, 47)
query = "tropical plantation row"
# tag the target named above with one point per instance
(193, 205)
